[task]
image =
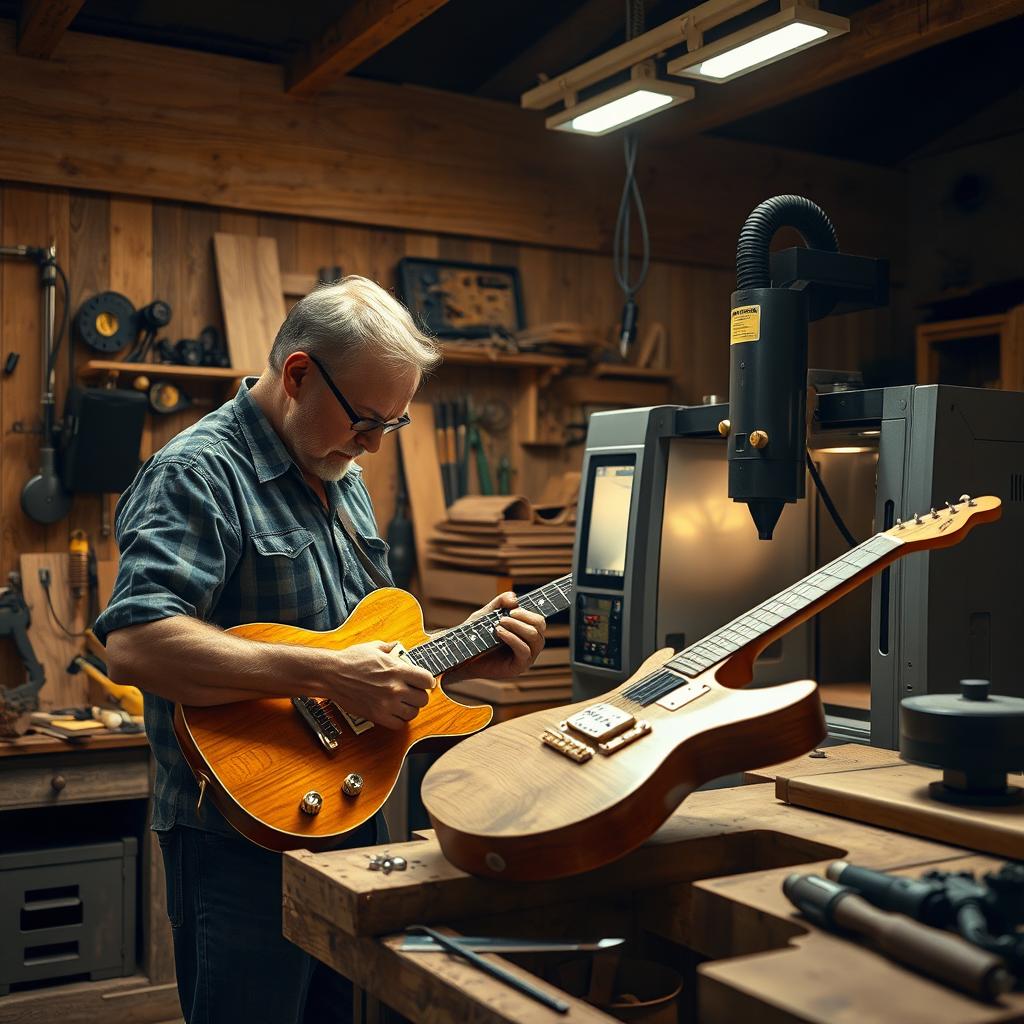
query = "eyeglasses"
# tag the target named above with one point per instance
(360, 424)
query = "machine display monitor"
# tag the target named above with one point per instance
(606, 520)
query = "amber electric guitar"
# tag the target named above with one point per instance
(558, 792)
(298, 773)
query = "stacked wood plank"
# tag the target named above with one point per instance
(509, 535)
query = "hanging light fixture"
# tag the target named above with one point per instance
(644, 94)
(794, 28)
(798, 25)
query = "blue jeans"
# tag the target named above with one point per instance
(233, 963)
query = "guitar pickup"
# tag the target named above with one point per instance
(599, 722)
(624, 739)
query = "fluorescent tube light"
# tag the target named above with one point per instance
(759, 51)
(791, 30)
(619, 106)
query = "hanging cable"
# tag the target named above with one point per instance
(622, 256)
(827, 501)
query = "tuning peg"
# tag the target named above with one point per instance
(899, 524)
(967, 498)
(952, 508)
(917, 519)
(935, 515)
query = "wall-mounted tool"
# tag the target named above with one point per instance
(127, 697)
(18, 702)
(776, 296)
(206, 350)
(165, 398)
(43, 498)
(108, 322)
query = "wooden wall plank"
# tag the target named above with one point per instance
(108, 239)
(119, 116)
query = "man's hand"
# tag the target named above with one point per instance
(368, 681)
(522, 636)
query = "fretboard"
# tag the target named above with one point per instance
(787, 604)
(454, 646)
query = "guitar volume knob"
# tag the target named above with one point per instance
(353, 784)
(312, 803)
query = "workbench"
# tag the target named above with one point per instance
(79, 783)
(704, 894)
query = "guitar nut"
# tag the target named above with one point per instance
(353, 784)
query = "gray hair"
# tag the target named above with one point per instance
(339, 321)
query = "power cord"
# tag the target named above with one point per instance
(621, 245)
(827, 500)
(44, 579)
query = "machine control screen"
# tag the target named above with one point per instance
(609, 520)
(599, 630)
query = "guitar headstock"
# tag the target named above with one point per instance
(941, 526)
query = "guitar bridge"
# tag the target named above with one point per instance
(319, 721)
(566, 745)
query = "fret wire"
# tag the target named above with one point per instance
(772, 612)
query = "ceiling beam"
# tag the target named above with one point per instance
(885, 32)
(366, 27)
(41, 24)
(571, 40)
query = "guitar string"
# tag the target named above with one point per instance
(728, 640)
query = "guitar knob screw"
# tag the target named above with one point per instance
(311, 803)
(353, 784)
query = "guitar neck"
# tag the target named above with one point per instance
(455, 646)
(780, 613)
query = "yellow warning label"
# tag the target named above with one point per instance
(745, 324)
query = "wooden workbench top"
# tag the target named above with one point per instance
(710, 880)
(106, 740)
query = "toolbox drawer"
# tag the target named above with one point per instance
(68, 782)
(67, 912)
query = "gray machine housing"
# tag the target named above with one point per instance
(934, 618)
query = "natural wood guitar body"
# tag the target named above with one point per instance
(259, 758)
(563, 791)
(506, 806)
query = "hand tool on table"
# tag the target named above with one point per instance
(454, 947)
(947, 958)
(496, 944)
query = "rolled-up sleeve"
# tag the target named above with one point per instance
(178, 545)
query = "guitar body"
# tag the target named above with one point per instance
(505, 805)
(259, 758)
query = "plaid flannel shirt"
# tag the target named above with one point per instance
(220, 525)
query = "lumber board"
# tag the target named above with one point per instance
(251, 295)
(897, 797)
(840, 758)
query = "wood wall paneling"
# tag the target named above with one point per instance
(197, 127)
(163, 249)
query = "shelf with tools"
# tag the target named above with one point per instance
(96, 370)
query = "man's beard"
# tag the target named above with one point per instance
(331, 468)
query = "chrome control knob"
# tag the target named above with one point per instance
(311, 803)
(353, 784)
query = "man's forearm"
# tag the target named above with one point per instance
(192, 662)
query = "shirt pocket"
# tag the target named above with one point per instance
(286, 578)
